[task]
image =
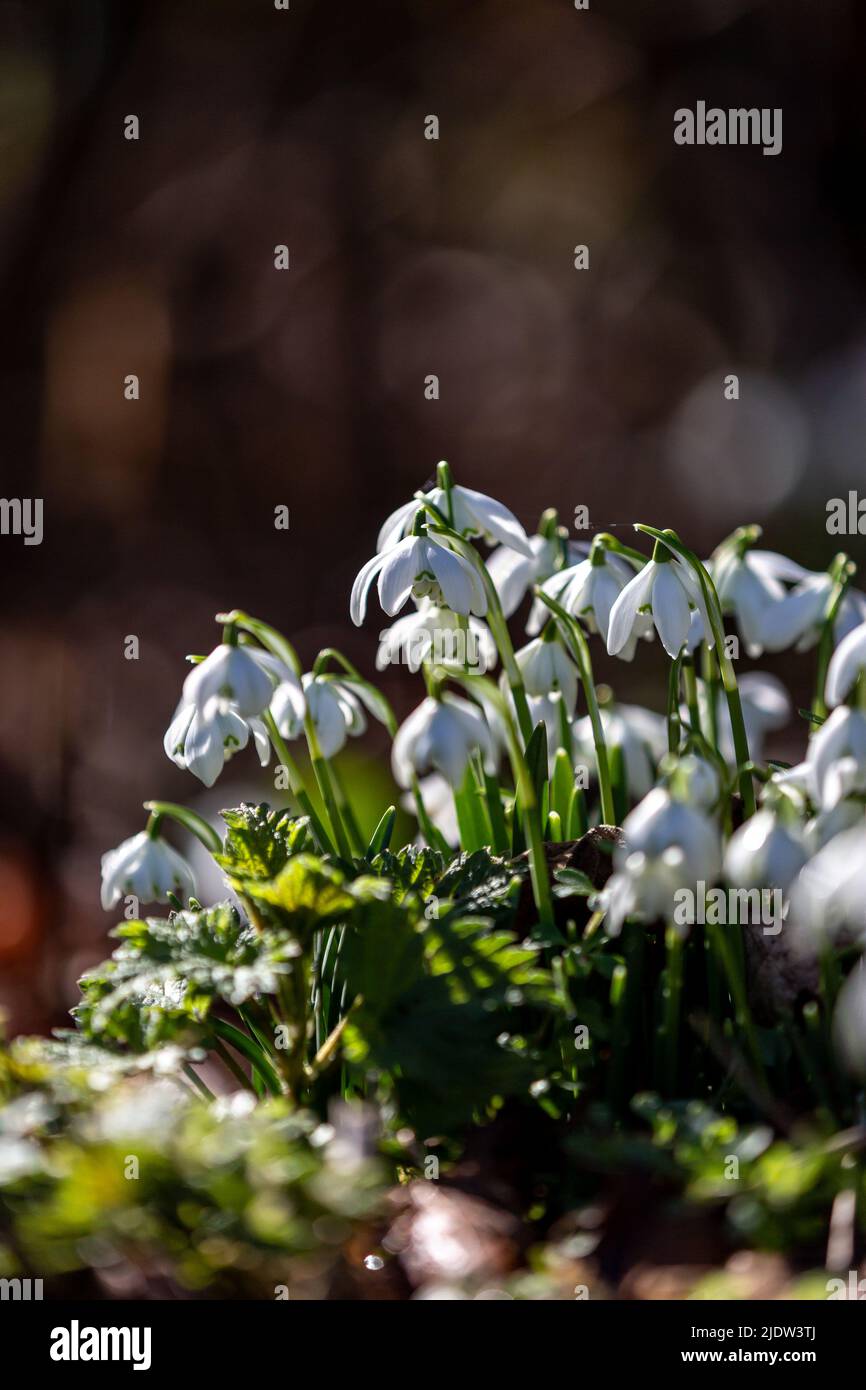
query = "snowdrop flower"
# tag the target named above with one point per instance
(332, 705)
(821, 829)
(665, 587)
(474, 514)
(749, 585)
(514, 573)
(201, 741)
(236, 675)
(641, 737)
(697, 781)
(589, 590)
(422, 566)
(835, 764)
(764, 853)
(851, 613)
(847, 664)
(829, 895)
(146, 867)
(668, 846)
(546, 667)
(433, 633)
(441, 736)
(770, 617)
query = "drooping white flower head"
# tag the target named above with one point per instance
(146, 867)
(473, 514)
(669, 846)
(824, 827)
(696, 780)
(435, 634)
(847, 664)
(828, 897)
(514, 573)
(441, 736)
(422, 566)
(751, 585)
(835, 765)
(667, 589)
(332, 705)
(239, 676)
(546, 667)
(589, 590)
(639, 734)
(201, 741)
(765, 853)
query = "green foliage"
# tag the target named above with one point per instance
(163, 979)
(434, 994)
(232, 1192)
(259, 842)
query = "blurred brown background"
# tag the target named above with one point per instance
(306, 387)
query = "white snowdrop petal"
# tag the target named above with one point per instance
(671, 613)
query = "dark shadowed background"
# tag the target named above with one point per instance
(305, 387)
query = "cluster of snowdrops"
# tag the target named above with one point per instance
(696, 803)
(354, 1009)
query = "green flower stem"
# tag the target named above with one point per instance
(204, 1091)
(690, 685)
(672, 996)
(842, 571)
(190, 820)
(446, 482)
(711, 685)
(579, 647)
(673, 710)
(498, 628)
(326, 789)
(239, 1075)
(269, 637)
(485, 690)
(433, 837)
(742, 1013)
(609, 542)
(296, 784)
(729, 679)
(350, 821)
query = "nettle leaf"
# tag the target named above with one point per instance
(572, 883)
(307, 894)
(167, 973)
(480, 882)
(412, 869)
(68, 1063)
(441, 1008)
(259, 841)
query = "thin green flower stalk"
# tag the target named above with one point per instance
(690, 687)
(842, 570)
(485, 690)
(495, 618)
(296, 785)
(673, 709)
(726, 667)
(190, 820)
(579, 647)
(322, 774)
